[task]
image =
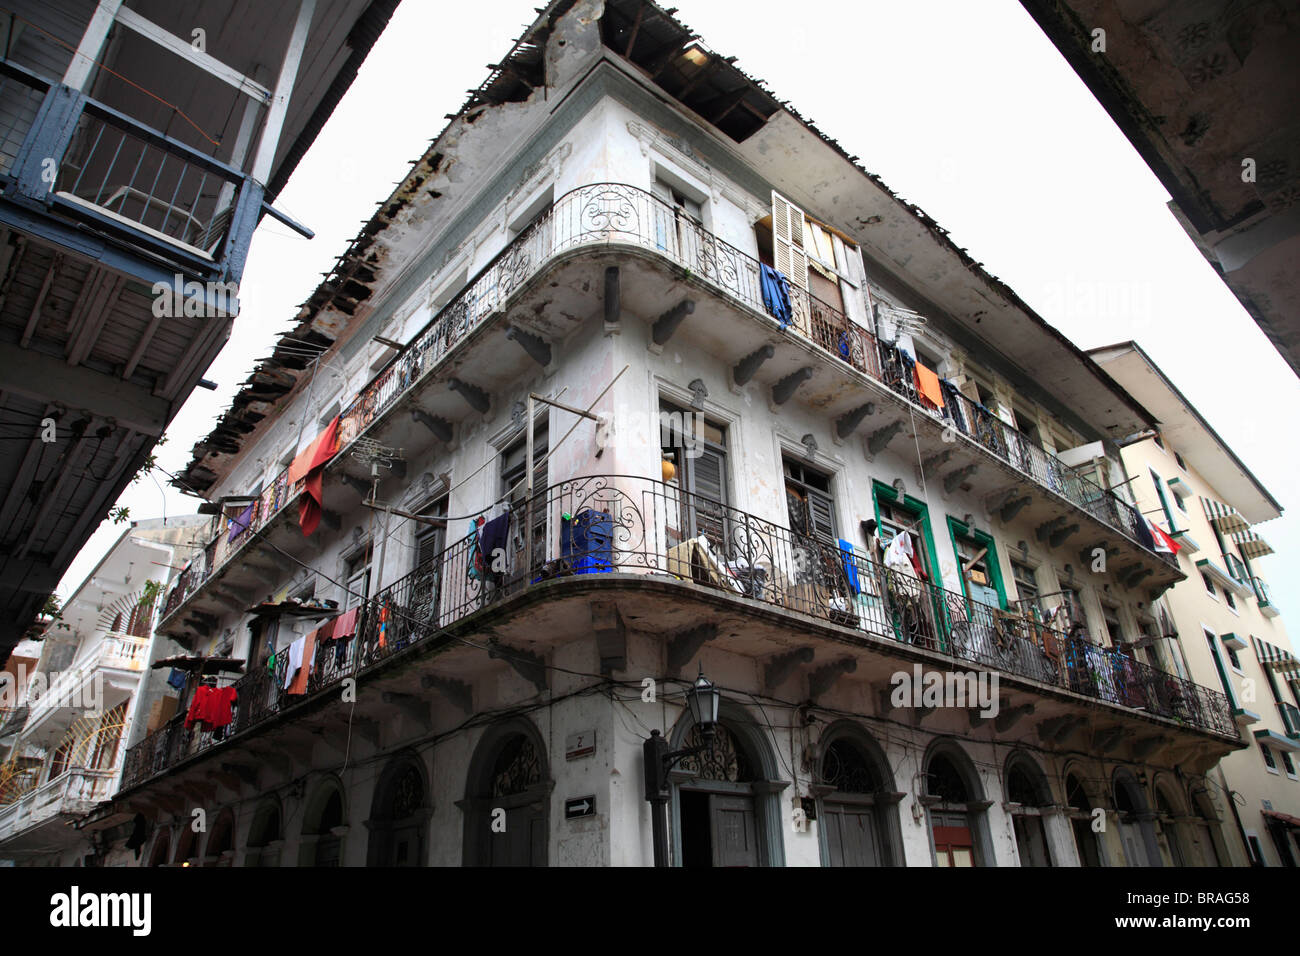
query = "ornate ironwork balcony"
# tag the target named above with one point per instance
(612, 214)
(637, 526)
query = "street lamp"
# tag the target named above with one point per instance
(703, 700)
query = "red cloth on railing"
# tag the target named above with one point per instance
(212, 707)
(345, 625)
(309, 467)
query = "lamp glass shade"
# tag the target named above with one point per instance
(704, 701)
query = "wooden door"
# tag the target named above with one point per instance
(733, 830)
(851, 834)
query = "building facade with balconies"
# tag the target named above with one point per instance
(140, 145)
(637, 374)
(1228, 624)
(61, 753)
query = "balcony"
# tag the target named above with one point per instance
(615, 216)
(625, 532)
(32, 820)
(119, 658)
(1266, 605)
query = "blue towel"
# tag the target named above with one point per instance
(176, 678)
(776, 294)
(850, 566)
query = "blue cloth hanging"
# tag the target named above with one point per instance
(177, 678)
(776, 294)
(850, 566)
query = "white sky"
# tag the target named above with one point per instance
(965, 109)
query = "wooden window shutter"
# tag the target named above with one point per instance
(709, 476)
(788, 241)
(822, 512)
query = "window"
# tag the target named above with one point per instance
(697, 449)
(514, 486)
(808, 502)
(1160, 443)
(1209, 585)
(1231, 601)
(356, 579)
(1268, 758)
(1179, 458)
(676, 222)
(1110, 615)
(1081, 822)
(1287, 764)
(1164, 500)
(1072, 602)
(1178, 501)
(895, 518)
(977, 567)
(1233, 659)
(1026, 585)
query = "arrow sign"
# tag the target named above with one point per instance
(579, 807)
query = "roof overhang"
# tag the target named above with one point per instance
(1187, 430)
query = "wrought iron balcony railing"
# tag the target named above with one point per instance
(615, 214)
(645, 528)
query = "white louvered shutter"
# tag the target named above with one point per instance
(788, 241)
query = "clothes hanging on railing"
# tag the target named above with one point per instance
(850, 567)
(927, 384)
(177, 678)
(241, 522)
(776, 294)
(952, 407)
(309, 467)
(492, 547)
(898, 556)
(212, 707)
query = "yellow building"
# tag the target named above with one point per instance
(1188, 481)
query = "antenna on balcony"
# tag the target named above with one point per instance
(376, 456)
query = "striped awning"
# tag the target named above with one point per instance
(1277, 658)
(1224, 517)
(1251, 545)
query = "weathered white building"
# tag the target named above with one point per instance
(577, 266)
(75, 691)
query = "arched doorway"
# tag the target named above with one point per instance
(220, 847)
(857, 805)
(265, 836)
(187, 844)
(1136, 833)
(1081, 821)
(323, 827)
(726, 801)
(1167, 819)
(1026, 789)
(161, 848)
(956, 806)
(1207, 832)
(508, 798)
(399, 815)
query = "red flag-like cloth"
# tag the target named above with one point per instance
(309, 466)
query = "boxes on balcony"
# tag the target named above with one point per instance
(163, 710)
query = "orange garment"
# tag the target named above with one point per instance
(309, 467)
(299, 685)
(927, 383)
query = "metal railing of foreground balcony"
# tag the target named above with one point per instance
(120, 171)
(647, 528)
(615, 214)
